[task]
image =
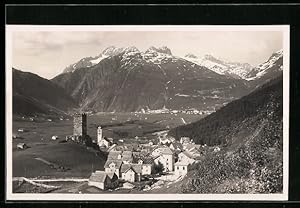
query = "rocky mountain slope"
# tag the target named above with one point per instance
(33, 94)
(234, 69)
(266, 71)
(126, 79)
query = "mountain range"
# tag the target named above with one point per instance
(234, 69)
(131, 80)
(127, 79)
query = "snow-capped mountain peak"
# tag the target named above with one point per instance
(234, 69)
(130, 55)
(190, 55)
(163, 49)
(273, 64)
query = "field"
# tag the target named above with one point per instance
(54, 158)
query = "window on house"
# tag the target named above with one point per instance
(177, 168)
(183, 168)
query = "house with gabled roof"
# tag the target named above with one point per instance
(114, 155)
(113, 166)
(147, 163)
(131, 172)
(124, 156)
(166, 140)
(102, 180)
(127, 156)
(186, 157)
(190, 146)
(185, 140)
(165, 156)
(176, 146)
(105, 142)
(181, 168)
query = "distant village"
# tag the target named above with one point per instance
(186, 111)
(130, 165)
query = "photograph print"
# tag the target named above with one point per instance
(147, 112)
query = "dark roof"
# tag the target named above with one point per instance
(188, 154)
(189, 146)
(117, 162)
(135, 167)
(110, 139)
(148, 160)
(145, 157)
(155, 157)
(113, 154)
(176, 145)
(98, 176)
(137, 154)
(106, 139)
(126, 155)
(125, 167)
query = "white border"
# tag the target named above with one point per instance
(147, 197)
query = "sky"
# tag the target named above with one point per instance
(47, 53)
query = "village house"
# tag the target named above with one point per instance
(131, 172)
(124, 156)
(113, 166)
(181, 168)
(193, 149)
(147, 163)
(165, 156)
(186, 157)
(104, 142)
(103, 180)
(176, 146)
(185, 140)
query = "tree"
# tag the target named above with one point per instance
(157, 168)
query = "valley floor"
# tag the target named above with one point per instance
(47, 159)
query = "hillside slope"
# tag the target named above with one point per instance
(250, 134)
(219, 127)
(33, 94)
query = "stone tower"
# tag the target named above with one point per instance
(80, 124)
(99, 135)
